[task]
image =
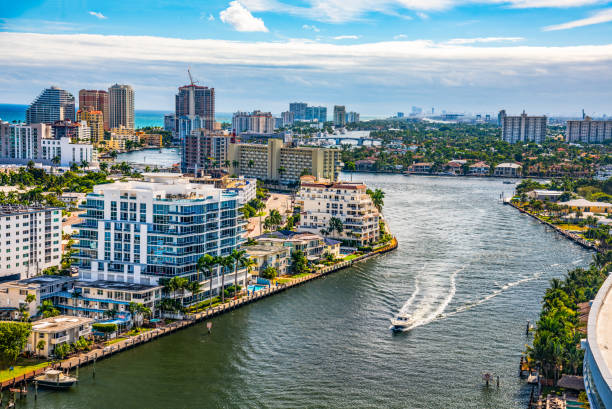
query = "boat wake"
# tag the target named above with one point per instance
(426, 316)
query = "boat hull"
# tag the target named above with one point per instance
(56, 385)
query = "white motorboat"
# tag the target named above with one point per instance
(401, 322)
(55, 379)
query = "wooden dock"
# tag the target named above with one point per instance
(90, 357)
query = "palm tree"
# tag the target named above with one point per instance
(377, 198)
(236, 164)
(209, 262)
(251, 163)
(194, 288)
(239, 259)
(335, 224)
(226, 163)
(47, 309)
(248, 266)
(226, 262)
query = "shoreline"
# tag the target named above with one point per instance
(566, 234)
(90, 357)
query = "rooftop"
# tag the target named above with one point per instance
(116, 285)
(585, 203)
(263, 249)
(11, 210)
(39, 281)
(288, 235)
(508, 165)
(59, 323)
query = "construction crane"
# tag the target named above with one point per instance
(190, 77)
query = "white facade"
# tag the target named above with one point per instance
(30, 240)
(143, 231)
(347, 201)
(256, 122)
(522, 128)
(68, 152)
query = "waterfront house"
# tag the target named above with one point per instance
(332, 247)
(479, 169)
(13, 293)
(312, 245)
(269, 255)
(584, 205)
(508, 170)
(420, 167)
(55, 331)
(546, 195)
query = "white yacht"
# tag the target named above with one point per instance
(401, 322)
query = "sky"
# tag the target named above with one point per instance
(375, 57)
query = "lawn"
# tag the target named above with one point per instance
(114, 341)
(138, 331)
(571, 227)
(22, 366)
(350, 257)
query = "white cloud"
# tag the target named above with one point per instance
(400, 37)
(241, 18)
(346, 37)
(422, 15)
(602, 16)
(98, 15)
(422, 70)
(339, 11)
(211, 17)
(460, 41)
(311, 27)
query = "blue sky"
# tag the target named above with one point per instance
(375, 57)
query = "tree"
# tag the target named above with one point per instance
(41, 345)
(239, 258)
(226, 263)
(105, 329)
(299, 262)
(47, 309)
(269, 273)
(247, 264)
(208, 262)
(13, 339)
(335, 224)
(378, 197)
(274, 219)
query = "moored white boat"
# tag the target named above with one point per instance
(55, 379)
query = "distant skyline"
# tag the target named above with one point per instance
(544, 56)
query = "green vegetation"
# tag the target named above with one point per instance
(273, 220)
(558, 332)
(299, 263)
(47, 309)
(13, 339)
(104, 328)
(269, 273)
(22, 366)
(378, 197)
(252, 208)
(42, 182)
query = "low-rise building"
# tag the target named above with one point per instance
(479, 169)
(584, 205)
(270, 254)
(548, 195)
(509, 170)
(245, 188)
(94, 298)
(56, 331)
(421, 167)
(321, 200)
(13, 293)
(312, 245)
(332, 247)
(151, 139)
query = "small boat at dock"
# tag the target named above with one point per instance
(55, 379)
(401, 322)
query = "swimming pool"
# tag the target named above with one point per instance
(256, 287)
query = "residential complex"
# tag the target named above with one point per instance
(43, 287)
(146, 231)
(95, 100)
(121, 106)
(95, 122)
(298, 109)
(318, 114)
(302, 112)
(588, 131)
(196, 101)
(522, 128)
(203, 149)
(270, 254)
(277, 162)
(53, 104)
(75, 131)
(21, 141)
(255, 122)
(352, 117)
(339, 115)
(320, 200)
(55, 331)
(30, 240)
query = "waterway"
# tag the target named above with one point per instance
(470, 269)
(165, 157)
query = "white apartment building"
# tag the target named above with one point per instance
(30, 240)
(20, 143)
(588, 131)
(522, 128)
(256, 122)
(146, 231)
(348, 201)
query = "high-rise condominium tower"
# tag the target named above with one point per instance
(121, 104)
(95, 100)
(53, 104)
(195, 100)
(339, 115)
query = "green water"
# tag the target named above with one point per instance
(470, 270)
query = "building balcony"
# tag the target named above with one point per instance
(59, 340)
(84, 332)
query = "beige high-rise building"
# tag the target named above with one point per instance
(95, 121)
(588, 131)
(277, 162)
(522, 128)
(121, 106)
